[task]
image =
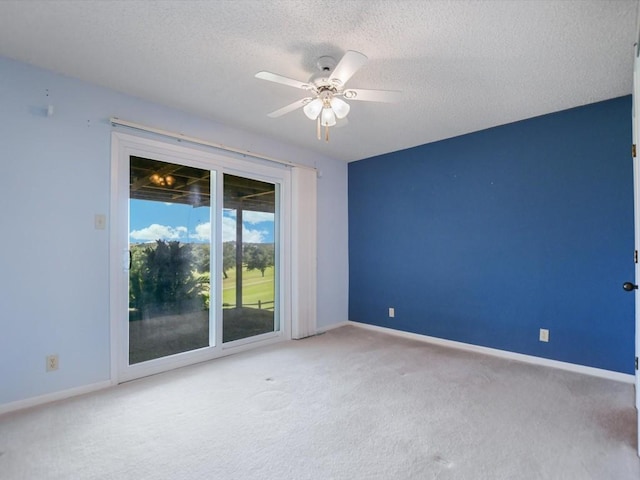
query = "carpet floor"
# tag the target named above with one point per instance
(349, 404)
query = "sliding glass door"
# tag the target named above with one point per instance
(170, 251)
(203, 251)
(249, 264)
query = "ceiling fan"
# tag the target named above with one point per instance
(326, 103)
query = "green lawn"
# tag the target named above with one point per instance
(255, 287)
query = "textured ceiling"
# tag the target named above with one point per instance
(462, 65)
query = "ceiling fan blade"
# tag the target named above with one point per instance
(386, 96)
(347, 66)
(274, 77)
(289, 108)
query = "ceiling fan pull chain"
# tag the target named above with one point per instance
(326, 133)
(318, 131)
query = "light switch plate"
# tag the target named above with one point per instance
(100, 221)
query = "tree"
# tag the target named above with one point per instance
(163, 279)
(201, 256)
(259, 256)
(228, 257)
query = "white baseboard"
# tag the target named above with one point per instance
(572, 367)
(334, 326)
(52, 397)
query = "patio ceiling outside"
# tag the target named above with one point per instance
(167, 182)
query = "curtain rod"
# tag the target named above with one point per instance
(199, 141)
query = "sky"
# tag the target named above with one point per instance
(150, 221)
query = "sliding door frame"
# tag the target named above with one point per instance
(123, 146)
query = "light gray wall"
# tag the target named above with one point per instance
(54, 283)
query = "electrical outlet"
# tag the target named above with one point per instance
(52, 363)
(544, 335)
(392, 312)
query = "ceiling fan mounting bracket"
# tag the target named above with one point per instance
(326, 64)
(322, 80)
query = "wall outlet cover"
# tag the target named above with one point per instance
(52, 363)
(544, 335)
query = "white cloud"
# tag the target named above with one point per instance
(228, 229)
(253, 236)
(158, 232)
(248, 235)
(257, 217)
(252, 217)
(202, 233)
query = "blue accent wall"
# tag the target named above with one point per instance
(488, 237)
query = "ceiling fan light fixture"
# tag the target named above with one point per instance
(328, 118)
(327, 92)
(340, 107)
(162, 180)
(313, 108)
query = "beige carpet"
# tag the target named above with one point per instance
(349, 404)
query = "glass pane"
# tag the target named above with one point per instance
(249, 272)
(169, 242)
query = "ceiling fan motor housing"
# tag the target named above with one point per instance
(326, 65)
